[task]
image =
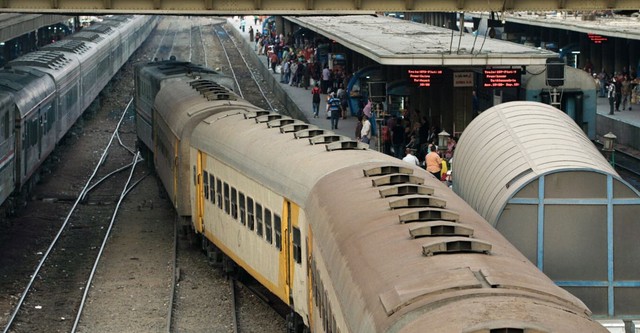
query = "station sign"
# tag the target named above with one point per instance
(501, 78)
(425, 77)
(463, 79)
(597, 39)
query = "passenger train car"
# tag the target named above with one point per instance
(43, 93)
(351, 239)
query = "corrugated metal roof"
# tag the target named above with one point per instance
(511, 144)
(391, 41)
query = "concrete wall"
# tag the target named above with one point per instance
(627, 134)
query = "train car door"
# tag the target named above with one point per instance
(292, 245)
(199, 195)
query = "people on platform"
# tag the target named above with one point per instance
(433, 161)
(410, 158)
(333, 105)
(365, 133)
(611, 96)
(315, 100)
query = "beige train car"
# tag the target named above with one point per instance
(352, 239)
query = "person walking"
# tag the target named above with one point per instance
(611, 95)
(334, 106)
(315, 100)
(626, 92)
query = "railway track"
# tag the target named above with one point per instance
(627, 163)
(57, 288)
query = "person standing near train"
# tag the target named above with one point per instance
(434, 162)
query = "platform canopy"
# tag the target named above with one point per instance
(301, 7)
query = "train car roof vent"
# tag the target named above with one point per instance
(211, 90)
(68, 45)
(455, 245)
(308, 133)
(413, 201)
(347, 145)
(397, 178)
(440, 228)
(255, 114)
(268, 117)
(45, 59)
(406, 189)
(87, 36)
(386, 170)
(101, 28)
(295, 127)
(326, 138)
(429, 214)
(280, 122)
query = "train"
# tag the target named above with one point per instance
(352, 240)
(44, 92)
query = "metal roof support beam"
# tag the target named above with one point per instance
(611, 3)
(54, 4)
(460, 4)
(562, 4)
(508, 5)
(257, 4)
(357, 4)
(108, 4)
(208, 4)
(157, 4)
(309, 4)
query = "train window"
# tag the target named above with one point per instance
(234, 203)
(250, 213)
(242, 209)
(267, 225)
(212, 188)
(277, 227)
(259, 219)
(227, 206)
(219, 193)
(297, 249)
(206, 185)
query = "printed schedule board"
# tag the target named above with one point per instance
(501, 78)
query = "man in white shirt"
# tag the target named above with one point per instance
(410, 158)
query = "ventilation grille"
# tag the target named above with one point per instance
(455, 245)
(87, 36)
(46, 59)
(67, 45)
(281, 122)
(211, 90)
(347, 145)
(425, 212)
(308, 133)
(100, 28)
(326, 139)
(255, 114)
(268, 117)
(295, 127)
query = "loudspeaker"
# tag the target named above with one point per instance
(555, 72)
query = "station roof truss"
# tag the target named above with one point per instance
(300, 7)
(390, 41)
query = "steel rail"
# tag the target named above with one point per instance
(125, 190)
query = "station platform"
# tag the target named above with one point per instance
(624, 124)
(297, 100)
